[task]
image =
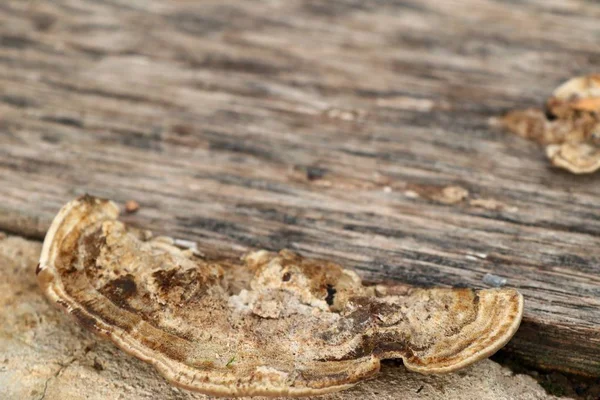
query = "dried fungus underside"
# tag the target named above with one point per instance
(570, 127)
(269, 324)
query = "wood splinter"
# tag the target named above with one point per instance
(269, 324)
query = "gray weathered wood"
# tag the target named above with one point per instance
(329, 127)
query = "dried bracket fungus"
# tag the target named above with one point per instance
(570, 128)
(269, 324)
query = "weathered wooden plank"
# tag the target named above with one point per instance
(331, 128)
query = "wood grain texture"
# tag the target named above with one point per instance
(330, 128)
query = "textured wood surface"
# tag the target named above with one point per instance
(330, 128)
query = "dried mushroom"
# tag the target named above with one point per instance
(570, 127)
(269, 324)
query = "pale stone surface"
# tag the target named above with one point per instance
(45, 355)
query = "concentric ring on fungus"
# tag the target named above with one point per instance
(270, 324)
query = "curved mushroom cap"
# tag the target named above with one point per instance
(572, 134)
(577, 101)
(581, 87)
(578, 158)
(271, 324)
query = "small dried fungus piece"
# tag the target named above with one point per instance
(570, 127)
(451, 195)
(269, 324)
(132, 206)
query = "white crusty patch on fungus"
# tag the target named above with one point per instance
(570, 128)
(270, 324)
